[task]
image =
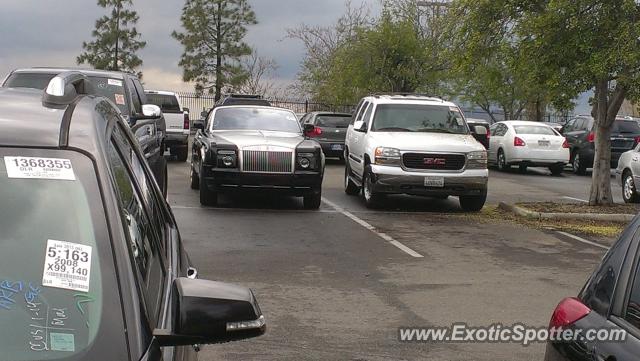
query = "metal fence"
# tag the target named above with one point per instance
(199, 102)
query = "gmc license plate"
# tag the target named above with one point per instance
(434, 182)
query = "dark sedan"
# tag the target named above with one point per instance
(92, 262)
(610, 300)
(330, 131)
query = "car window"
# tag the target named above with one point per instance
(569, 126)
(418, 118)
(249, 118)
(367, 115)
(140, 91)
(625, 126)
(357, 110)
(534, 129)
(135, 102)
(168, 103)
(363, 109)
(632, 314)
(333, 121)
(59, 297)
(142, 239)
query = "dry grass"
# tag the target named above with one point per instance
(550, 207)
(491, 214)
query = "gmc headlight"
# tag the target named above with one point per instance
(387, 156)
(477, 160)
(306, 161)
(227, 159)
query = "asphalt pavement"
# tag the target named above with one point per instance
(336, 284)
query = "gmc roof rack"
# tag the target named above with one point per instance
(408, 95)
(245, 96)
(65, 88)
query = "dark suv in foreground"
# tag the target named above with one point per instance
(126, 92)
(609, 300)
(93, 266)
(580, 135)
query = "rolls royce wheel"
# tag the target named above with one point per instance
(312, 201)
(195, 180)
(207, 196)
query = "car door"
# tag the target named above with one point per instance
(496, 140)
(574, 130)
(491, 152)
(358, 143)
(625, 315)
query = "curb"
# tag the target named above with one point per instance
(525, 213)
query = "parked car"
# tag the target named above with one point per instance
(416, 145)
(556, 126)
(243, 99)
(628, 175)
(177, 120)
(482, 138)
(580, 134)
(330, 131)
(126, 92)
(527, 144)
(92, 253)
(609, 300)
(242, 148)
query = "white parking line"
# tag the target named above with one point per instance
(373, 229)
(576, 199)
(580, 239)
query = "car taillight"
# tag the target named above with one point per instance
(636, 139)
(488, 133)
(317, 131)
(565, 144)
(518, 142)
(591, 137)
(569, 311)
(186, 123)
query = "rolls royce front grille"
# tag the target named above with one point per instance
(267, 161)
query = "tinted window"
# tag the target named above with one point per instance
(625, 126)
(239, 118)
(55, 229)
(106, 87)
(168, 103)
(333, 121)
(143, 242)
(633, 308)
(365, 106)
(533, 129)
(418, 118)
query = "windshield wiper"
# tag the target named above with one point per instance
(436, 130)
(393, 129)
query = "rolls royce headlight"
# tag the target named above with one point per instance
(387, 156)
(306, 161)
(477, 160)
(227, 159)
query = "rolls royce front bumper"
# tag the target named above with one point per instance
(294, 184)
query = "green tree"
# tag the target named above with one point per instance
(116, 39)
(213, 43)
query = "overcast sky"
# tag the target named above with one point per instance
(50, 33)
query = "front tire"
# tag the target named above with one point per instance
(502, 161)
(472, 203)
(629, 191)
(350, 188)
(207, 196)
(312, 202)
(579, 167)
(371, 198)
(194, 178)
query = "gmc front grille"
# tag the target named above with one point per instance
(267, 162)
(433, 161)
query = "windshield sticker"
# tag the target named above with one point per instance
(119, 99)
(67, 265)
(39, 168)
(114, 82)
(62, 342)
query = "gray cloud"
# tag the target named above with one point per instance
(50, 33)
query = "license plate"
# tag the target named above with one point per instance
(544, 143)
(436, 182)
(336, 146)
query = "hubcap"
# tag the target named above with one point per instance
(501, 161)
(576, 162)
(367, 188)
(346, 178)
(628, 187)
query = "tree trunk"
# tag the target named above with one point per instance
(218, 53)
(605, 110)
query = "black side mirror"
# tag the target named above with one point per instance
(198, 124)
(211, 312)
(308, 128)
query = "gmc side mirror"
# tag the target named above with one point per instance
(360, 126)
(209, 312)
(198, 124)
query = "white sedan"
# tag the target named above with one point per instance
(527, 144)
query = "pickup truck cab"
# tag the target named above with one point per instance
(417, 145)
(177, 120)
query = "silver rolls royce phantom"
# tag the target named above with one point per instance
(243, 148)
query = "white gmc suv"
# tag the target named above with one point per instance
(177, 119)
(416, 145)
